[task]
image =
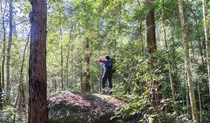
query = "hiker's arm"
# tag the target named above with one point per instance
(100, 60)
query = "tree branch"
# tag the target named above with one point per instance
(21, 22)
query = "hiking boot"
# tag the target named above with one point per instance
(103, 91)
(110, 91)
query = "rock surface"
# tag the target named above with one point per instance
(67, 107)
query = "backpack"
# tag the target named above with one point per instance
(111, 65)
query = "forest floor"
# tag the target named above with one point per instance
(68, 107)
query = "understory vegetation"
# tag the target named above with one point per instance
(153, 81)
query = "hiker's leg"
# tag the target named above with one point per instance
(110, 82)
(104, 78)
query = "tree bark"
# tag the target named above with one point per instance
(61, 55)
(86, 85)
(3, 58)
(199, 38)
(67, 60)
(207, 38)
(21, 104)
(140, 35)
(67, 67)
(3, 49)
(8, 52)
(1, 101)
(187, 63)
(168, 56)
(199, 101)
(155, 87)
(37, 106)
(73, 71)
(151, 38)
(61, 48)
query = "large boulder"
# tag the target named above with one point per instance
(67, 107)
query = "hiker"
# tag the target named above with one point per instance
(107, 73)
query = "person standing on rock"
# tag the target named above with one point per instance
(108, 72)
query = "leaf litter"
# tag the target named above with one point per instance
(96, 104)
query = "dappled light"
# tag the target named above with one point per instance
(104, 61)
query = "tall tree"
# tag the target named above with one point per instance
(207, 38)
(151, 38)
(4, 46)
(61, 63)
(3, 55)
(1, 101)
(187, 62)
(85, 86)
(68, 56)
(21, 91)
(151, 47)
(8, 50)
(37, 106)
(168, 56)
(61, 48)
(67, 66)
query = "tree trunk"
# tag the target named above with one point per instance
(3, 49)
(81, 79)
(86, 85)
(37, 107)
(207, 38)
(8, 51)
(151, 38)
(151, 47)
(187, 63)
(21, 104)
(140, 35)
(200, 102)
(67, 60)
(67, 67)
(1, 101)
(168, 56)
(187, 98)
(72, 70)
(3, 58)
(61, 48)
(199, 39)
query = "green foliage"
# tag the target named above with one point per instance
(206, 113)
(117, 28)
(6, 115)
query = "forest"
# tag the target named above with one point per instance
(50, 70)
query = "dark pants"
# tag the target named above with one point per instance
(107, 76)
